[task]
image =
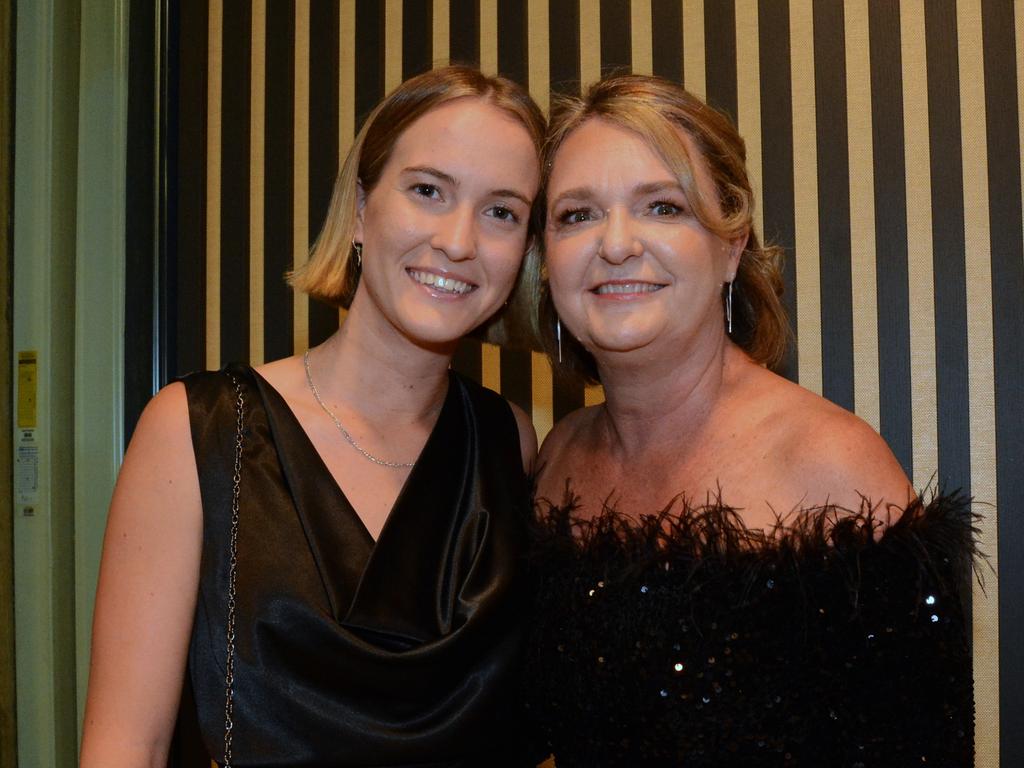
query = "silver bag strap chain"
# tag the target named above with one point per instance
(229, 666)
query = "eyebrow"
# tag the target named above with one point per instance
(449, 179)
(587, 193)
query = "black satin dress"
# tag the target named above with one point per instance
(351, 652)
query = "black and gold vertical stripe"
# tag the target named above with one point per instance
(884, 141)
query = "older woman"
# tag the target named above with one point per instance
(732, 570)
(328, 546)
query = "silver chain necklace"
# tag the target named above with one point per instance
(344, 432)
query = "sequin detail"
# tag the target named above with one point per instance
(712, 645)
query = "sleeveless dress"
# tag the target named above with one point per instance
(347, 652)
(685, 639)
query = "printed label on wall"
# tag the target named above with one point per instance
(26, 472)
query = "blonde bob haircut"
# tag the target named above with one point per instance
(331, 274)
(657, 110)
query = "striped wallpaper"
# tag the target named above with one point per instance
(884, 139)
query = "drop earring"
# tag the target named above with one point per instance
(358, 248)
(728, 307)
(558, 337)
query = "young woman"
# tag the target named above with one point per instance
(731, 570)
(328, 545)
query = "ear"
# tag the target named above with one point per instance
(357, 230)
(735, 247)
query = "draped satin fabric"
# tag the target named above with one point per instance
(351, 652)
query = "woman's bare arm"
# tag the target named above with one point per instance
(146, 598)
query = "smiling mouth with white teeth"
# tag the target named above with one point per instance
(441, 284)
(620, 288)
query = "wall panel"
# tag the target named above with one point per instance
(886, 142)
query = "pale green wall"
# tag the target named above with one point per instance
(70, 94)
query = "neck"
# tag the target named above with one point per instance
(373, 366)
(663, 403)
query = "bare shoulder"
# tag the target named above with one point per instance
(147, 588)
(527, 437)
(837, 457)
(562, 450)
(565, 433)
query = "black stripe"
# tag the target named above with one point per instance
(140, 224)
(468, 359)
(464, 32)
(186, 261)
(517, 378)
(948, 244)
(513, 62)
(279, 162)
(369, 45)
(564, 46)
(616, 47)
(234, 181)
(833, 203)
(513, 57)
(777, 152)
(1004, 199)
(323, 141)
(890, 195)
(667, 43)
(417, 37)
(720, 55)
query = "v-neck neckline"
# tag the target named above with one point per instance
(372, 585)
(268, 388)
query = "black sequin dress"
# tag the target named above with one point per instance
(685, 639)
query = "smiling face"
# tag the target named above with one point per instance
(630, 267)
(444, 229)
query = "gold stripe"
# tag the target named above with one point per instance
(862, 215)
(919, 242)
(805, 193)
(392, 44)
(537, 52)
(489, 36)
(748, 99)
(346, 89)
(346, 78)
(300, 170)
(214, 76)
(693, 48)
(257, 114)
(980, 353)
(590, 42)
(540, 77)
(543, 399)
(441, 35)
(593, 395)
(490, 358)
(641, 37)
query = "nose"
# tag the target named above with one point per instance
(618, 240)
(456, 233)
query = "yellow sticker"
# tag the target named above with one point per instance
(27, 378)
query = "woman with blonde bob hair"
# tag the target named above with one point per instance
(730, 570)
(326, 547)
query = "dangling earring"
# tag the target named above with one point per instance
(558, 336)
(358, 248)
(728, 307)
